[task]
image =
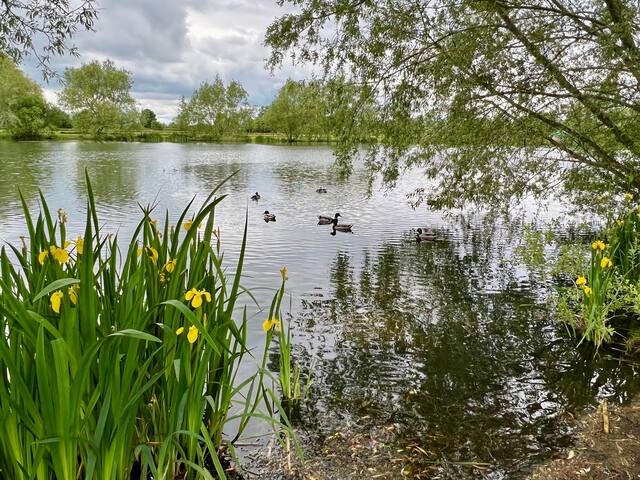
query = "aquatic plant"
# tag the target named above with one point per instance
(291, 387)
(609, 289)
(120, 360)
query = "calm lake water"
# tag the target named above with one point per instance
(448, 342)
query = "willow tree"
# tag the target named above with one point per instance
(215, 109)
(43, 28)
(99, 96)
(495, 99)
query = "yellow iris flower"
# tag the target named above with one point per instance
(179, 331)
(606, 262)
(587, 290)
(60, 254)
(195, 297)
(270, 323)
(189, 223)
(192, 335)
(170, 266)
(42, 256)
(79, 245)
(56, 300)
(73, 293)
(598, 245)
(152, 252)
(581, 280)
(283, 273)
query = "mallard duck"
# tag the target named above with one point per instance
(321, 190)
(255, 197)
(322, 220)
(341, 227)
(427, 236)
(269, 217)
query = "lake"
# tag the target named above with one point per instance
(450, 343)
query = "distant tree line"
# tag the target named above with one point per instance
(96, 100)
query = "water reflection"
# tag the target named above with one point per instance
(446, 340)
(411, 336)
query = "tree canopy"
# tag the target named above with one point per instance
(98, 95)
(495, 99)
(215, 109)
(27, 23)
(148, 119)
(298, 110)
(22, 106)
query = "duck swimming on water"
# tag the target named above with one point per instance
(322, 220)
(255, 197)
(425, 236)
(340, 227)
(321, 190)
(269, 217)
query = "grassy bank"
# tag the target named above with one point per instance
(173, 136)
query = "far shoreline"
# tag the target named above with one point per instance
(170, 136)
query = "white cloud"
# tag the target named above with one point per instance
(172, 46)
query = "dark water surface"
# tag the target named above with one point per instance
(447, 341)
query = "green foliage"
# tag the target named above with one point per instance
(148, 119)
(532, 250)
(598, 297)
(607, 289)
(22, 106)
(536, 97)
(57, 118)
(54, 22)
(571, 260)
(318, 110)
(29, 118)
(111, 356)
(98, 95)
(298, 110)
(215, 109)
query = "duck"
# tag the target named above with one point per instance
(321, 190)
(269, 217)
(322, 220)
(425, 236)
(340, 227)
(255, 197)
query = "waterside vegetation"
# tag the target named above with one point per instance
(117, 362)
(603, 307)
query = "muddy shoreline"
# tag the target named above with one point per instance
(354, 453)
(607, 447)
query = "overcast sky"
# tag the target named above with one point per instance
(171, 46)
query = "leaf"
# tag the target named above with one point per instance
(56, 285)
(129, 332)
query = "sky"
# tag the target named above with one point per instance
(172, 46)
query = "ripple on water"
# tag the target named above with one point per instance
(447, 340)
